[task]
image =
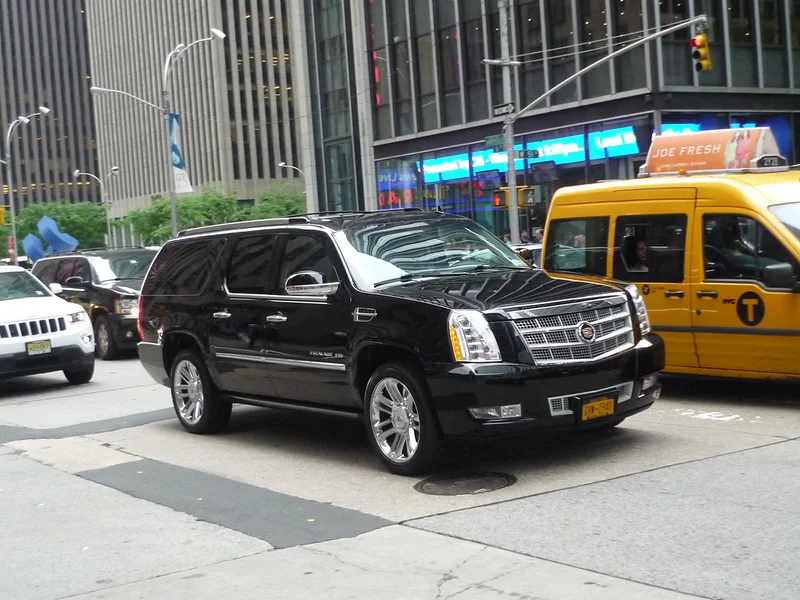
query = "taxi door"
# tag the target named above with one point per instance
(651, 251)
(741, 325)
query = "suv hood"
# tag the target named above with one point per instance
(497, 290)
(124, 286)
(23, 309)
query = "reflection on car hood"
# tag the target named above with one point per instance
(124, 286)
(496, 290)
(23, 309)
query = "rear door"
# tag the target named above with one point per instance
(650, 251)
(238, 330)
(740, 324)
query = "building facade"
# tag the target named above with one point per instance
(431, 95)
(235, 96)
(44, 61)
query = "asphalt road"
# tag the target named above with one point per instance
(103, 495)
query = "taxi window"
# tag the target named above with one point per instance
(737, 247)
(650, 248)
(578, 246)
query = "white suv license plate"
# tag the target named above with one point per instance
(35, 348)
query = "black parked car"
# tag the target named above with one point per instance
(424, 325)
(106, 282)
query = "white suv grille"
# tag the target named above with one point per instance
(553, 333)
(23, 329)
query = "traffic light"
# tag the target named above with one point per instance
(500, 198)
(700, 52)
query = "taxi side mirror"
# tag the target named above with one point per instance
(780, 276)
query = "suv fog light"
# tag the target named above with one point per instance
(649, 382)
(508, 411)
(129, 334)
(86, 339)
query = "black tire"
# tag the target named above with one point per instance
(80, 376)
(104, 345)
(426, 455)
(215, 413)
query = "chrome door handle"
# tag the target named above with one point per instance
(673, 294)
(223, 314)
(276, 319)
(707, 294)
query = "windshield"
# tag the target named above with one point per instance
(123, 265)
(20, 284)
(378, 253)
(789, 215)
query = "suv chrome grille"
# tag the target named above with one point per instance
(553, 333)
(31, 328)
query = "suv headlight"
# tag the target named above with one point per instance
(77, 317)
(641, 309)
(127, 306)
(471, 339)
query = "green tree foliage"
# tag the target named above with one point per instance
(5, 231)
(84, 221)
(210, 207)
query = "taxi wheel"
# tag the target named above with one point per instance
(400, 421)
(105, 346)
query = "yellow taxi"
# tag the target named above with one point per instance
(710, 234)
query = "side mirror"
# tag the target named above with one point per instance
(310, 283)
(75, 282)
(56, 288)
(780, 276)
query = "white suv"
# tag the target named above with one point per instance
(40, 332)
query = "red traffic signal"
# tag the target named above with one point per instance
(701, 53)
(499, 199)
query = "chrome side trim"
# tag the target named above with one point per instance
(364, 315)
(289, 362)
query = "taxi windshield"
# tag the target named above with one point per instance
(380, 253)
(789, 215)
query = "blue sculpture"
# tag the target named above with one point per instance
(56, 240)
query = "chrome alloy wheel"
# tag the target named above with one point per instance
(394, 420)
(188, 392)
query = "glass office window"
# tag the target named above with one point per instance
(773, 43)
(675, 46)
(561, 40)
(529, 40)
(449, 76)
(380, 93)
(626, 26)
(795, 33)
(716, 43)
(741, 25)
(425, 73)
(403, 111)
(399, 183)
(474, 53)
(594, 46)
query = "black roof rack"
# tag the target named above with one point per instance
(289, 220)
(80, 251)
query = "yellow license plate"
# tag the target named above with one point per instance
(598, 408)
(35, 348)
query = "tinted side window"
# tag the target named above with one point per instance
(64, 270)
(650, 248)
(183, 268)
(46, 271)
(248, 270)
(739, 247)
(578, 246)
(306, 252)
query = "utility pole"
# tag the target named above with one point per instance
(508, 126)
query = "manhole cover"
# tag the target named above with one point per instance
(463, 484)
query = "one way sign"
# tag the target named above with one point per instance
(503, 109)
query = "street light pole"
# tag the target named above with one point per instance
(43, 111)
(508, 127)
(103, 195)
(165, 110)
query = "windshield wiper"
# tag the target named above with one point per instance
(402, 279)
(493, 267)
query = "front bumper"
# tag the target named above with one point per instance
(124, 329)
(456, 388)
(63, 358)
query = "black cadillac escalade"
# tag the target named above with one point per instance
(424, 325)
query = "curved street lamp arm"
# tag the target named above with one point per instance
(102, 90)
(173, 57)
(93, 176)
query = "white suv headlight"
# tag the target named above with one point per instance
(471, 339)
(77, 317)
(641, 309)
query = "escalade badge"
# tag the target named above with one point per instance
(586, 333)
